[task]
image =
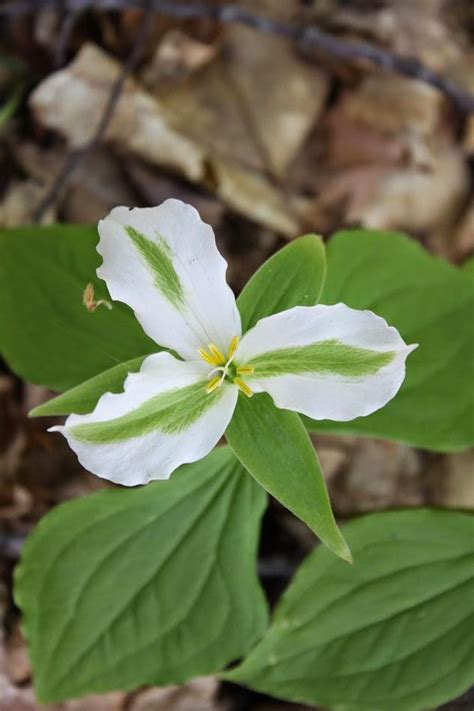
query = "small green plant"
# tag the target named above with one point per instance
(158, 584)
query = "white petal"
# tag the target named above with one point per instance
(176, 284)
(326, 362)
(152, 443)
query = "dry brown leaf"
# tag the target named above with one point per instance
(197, 695)
(72, 102)
(250, 193)
(154, 187)
(19, 201)
(282, 95)
(113, 701)
(388, 103)
(349, 144)
(95, 187)
(17, 665)
(413, 29)
(332, 460)
(206, 111)
(453, 486)
(417, 199)
(379, 475)
(469, 136)
(176, 57)
(464, 239)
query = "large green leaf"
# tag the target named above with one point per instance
(274, 447)
(83, 398)
(468, 267)
(294, 276)
(47, 335)
(431, 303)
(394, 631)
(146, 586)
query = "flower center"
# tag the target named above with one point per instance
(224, 368)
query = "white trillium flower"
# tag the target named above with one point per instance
(327, 362)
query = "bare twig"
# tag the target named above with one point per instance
(311, 36)
(76, 157)
(67, 28)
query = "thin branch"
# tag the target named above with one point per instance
(310, 36)
(67, 27)
(76, 157)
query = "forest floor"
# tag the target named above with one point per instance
(270, 135)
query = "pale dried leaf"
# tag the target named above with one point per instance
(469, 136)
(72, 102)
(250, 193)
(176, 57)
(464, 239)
(95, 187)
(379, 475)
(19, 201)
(207, 111)
(197, 695)
(417, 199)
(388, 103)
(412, 29)
(283, 95)
(455, 487)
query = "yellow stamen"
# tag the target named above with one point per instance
(219, 357)
(245, 370)
(243, 387)
(213, 384)
(233, 347)
(207, 357)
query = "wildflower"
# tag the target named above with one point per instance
(327, 362)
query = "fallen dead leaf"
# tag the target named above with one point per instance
(453, 483)
(17, 665)
(419, 200)
(250, 193)
(464, 239)
(197, 695)
(378, 475)
(283, 98)
(390, 104)
(19, 201)
(72, 102)
(176, 58)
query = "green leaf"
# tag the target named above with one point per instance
(393, 631)
(468, 267)
(83, 398)
(431, 303)
(274, 447)
(147, 586)
(48, 336)
(294, 276)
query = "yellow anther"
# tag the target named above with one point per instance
(233, 347)
(206, 356)
(213, 384)
(219, 358)
(243, 387)
(245, 370)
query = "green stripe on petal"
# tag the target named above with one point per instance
(157, 256)
(170, 412)
(329, 357)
